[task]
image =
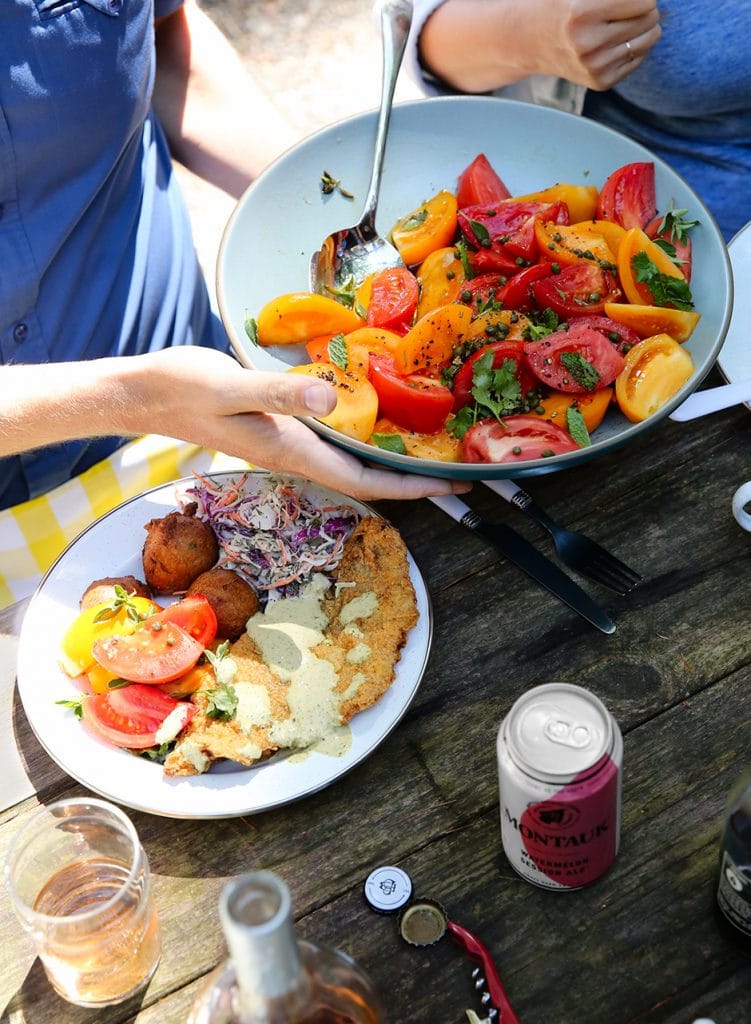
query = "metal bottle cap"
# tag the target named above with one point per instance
(387, 889)
(423, 923)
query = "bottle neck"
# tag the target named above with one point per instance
(256, 914)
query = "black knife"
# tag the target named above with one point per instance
(528, 559)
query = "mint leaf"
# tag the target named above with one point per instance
(577, 427)
(389, 443)
(581, 370)
(414, 221)
(76, 706)
(480, 232)
(463, 256)
(338, 351)
(345, 294)
(251, 329)
(676, 225)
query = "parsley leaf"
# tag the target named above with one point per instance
(577, 427)
(666, 289)
(76, 706)
(122, 599)
(389, 443)
(338, 351)
(498, 391)
(221, 702)
(581, 370)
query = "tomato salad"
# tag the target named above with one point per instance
(515, 324)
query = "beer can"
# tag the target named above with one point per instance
(559, 773)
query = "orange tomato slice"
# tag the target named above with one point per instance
(299, 316)
(649, 320)
(581, 200)
(636, 241)
(431, 226)
(592, 407)
(356, 399)
(442, 446)
(515, 322)
(612, 233)
(441, 277)
(432, 339)
(654, 371)
(564, 243)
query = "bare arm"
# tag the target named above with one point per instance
(218, 122)
(197, 395)
(480, 45)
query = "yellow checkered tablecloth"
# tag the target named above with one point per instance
(34, 533)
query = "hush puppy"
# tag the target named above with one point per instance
(233, 600)
(178, 548)
(104, 590)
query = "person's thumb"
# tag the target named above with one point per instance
(292, 394)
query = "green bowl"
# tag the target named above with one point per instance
(283, 218)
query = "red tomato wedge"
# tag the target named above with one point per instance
(578, 289)
(479, 183)
(502, 351)
(517, 294)
(515, 439)
(131, 715)
(417, 402)
(576, 359)
(628, 196)
(481, 290)
(194, 614)
(620, 335)
(508, 227)
(158, 652)
(393, 300)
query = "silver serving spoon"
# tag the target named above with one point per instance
(356, 252)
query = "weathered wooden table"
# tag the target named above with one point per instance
(640, 944)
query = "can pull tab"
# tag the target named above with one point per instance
(568, 733)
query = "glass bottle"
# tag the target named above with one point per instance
(270, 976)
(734, 882)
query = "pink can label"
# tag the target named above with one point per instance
(571, 838)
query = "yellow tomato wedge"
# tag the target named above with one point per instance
(581, 200)
(442, 446)
(432, 339)
(635, 241)
(356, 399)
(563, 243)
(510, 318)
(654, 371)
(299, 316)
(592, 407)
(441, 277)
(431, 226)
(649, 320)
(612, 233)
(80, 636)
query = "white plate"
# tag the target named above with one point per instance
(734, 359)
(111, 547)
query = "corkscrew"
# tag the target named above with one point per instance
(423, 922)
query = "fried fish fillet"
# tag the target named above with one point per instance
(367, 616)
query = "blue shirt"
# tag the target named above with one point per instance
(96, 252)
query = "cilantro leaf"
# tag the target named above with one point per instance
(459, 425)
(498, 391)
(666, 289)
(389, 443)
(581, 370)
(577, 427)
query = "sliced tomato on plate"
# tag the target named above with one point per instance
(158, 652)
(503, 351)
(515, 439)
(416, 402)
(672, 232)
(576, 359)
(508, 227)
(393, 300)
(494, 261)
(194, 614)
(131, 715)
(628, 195)
(482, 291)
(576, 290)
(517, 294)
(479, 183)
(621, 336)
